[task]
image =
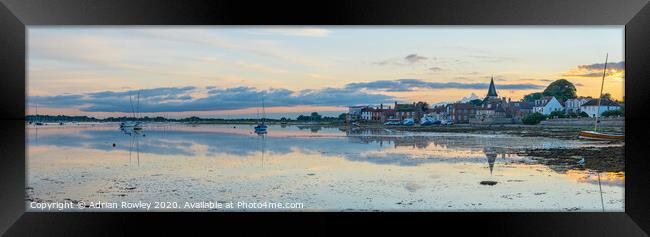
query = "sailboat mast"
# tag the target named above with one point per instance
(600, 97)
(263, 111)
(138, 105)
(131, 102)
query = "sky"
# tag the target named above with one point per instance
(229, 72)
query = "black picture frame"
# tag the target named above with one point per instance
(15, 15)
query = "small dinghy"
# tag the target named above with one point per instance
(591, 135)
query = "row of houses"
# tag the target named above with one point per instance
(548, 104)
(491, 110)
(384, 113)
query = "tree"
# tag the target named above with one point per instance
(342, 116)
(533, 96)
(315, 116)
(561, 89)
(607, 96)
(476, 102)
(422, 106)
(612, 113)
(533, 118)
(557, 114)
(584, 114)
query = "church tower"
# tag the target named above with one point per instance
(492, 92)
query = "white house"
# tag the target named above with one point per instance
(354, 112)
(592, 109)
(547, 104)
(573, 105)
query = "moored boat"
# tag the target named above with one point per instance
(592, 135)
(131, 124)
(261, 127)
(408, 122)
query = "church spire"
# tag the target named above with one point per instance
(492, 92)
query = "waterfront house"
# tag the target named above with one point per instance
(521, 109)
(368, 114)
(404, 111)
(592, 109)
(573, 105)
(379, 114)
(461, 112)
(354, 113)
(438, 113)
(547, 104)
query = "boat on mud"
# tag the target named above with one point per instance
(408, 122)
(593, 135)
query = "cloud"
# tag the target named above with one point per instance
(600, 66)
(210, 39)
(595, 70)
(182, 99)
(189, 98)
(402, 85)
(435, 69)
(414, 58)
(410, 59)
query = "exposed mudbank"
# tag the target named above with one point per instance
(560, 132)
(606, 158)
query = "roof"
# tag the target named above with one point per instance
(604, 102)
(492, 92)
(463, 106)
(546, 100)
(439, 109)
(524, 105)
(581, 98)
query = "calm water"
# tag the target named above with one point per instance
(322, 168)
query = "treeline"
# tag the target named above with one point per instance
(317, 117)
(65, 118)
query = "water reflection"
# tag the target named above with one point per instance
(134, 144)
(296, 163)
(377, 146)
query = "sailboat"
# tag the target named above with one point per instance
(135, 125)
(38, 122)
(595, 135)
(261, 125)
